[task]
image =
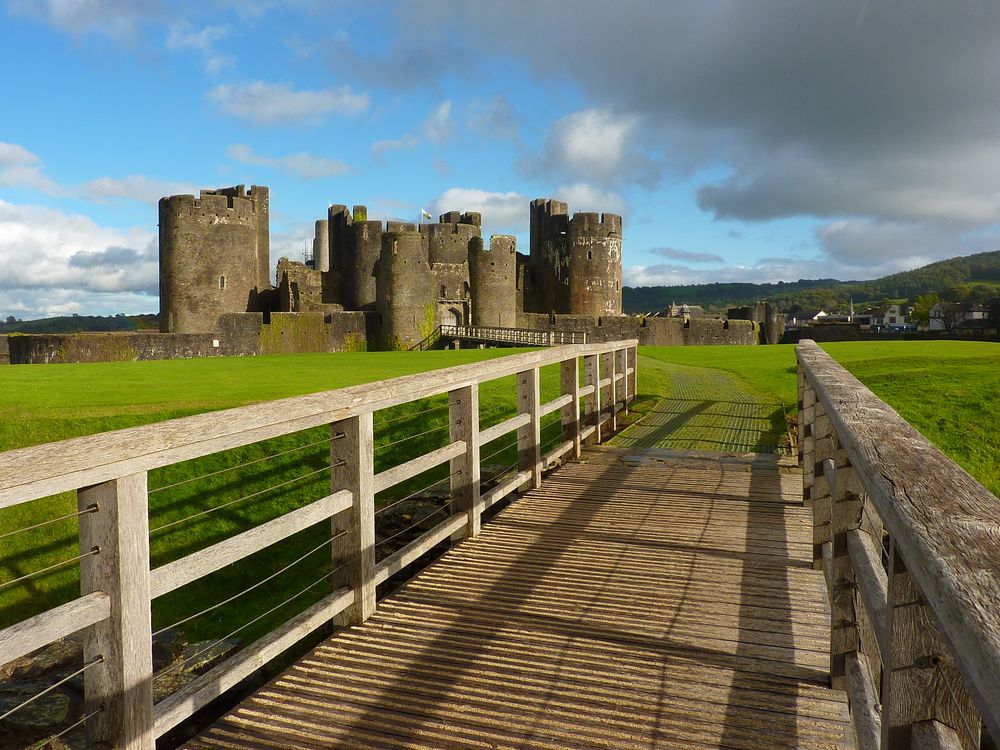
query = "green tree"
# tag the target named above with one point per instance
(921, 314)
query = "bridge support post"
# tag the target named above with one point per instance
(807, 416)
(122, 681)
(824, 450)
(607, 392)
(353, 545)
(592, 401)
(613, 389)
(569, 370)
(621, 366)
(632, 360)
(529, 436)
(922, 690)
(463, 413)
(847, 507)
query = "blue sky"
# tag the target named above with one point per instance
(755, 141)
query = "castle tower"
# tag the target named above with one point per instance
(595, 264)
(547, 284)
(213, 256)
(362, 253)
(404, 289)
(448, 242)
(493, 280)
(321, 246)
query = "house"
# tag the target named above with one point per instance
(807, 317)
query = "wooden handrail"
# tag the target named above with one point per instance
(109, 473)
(940, 621)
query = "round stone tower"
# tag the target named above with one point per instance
(358, 281)
(449, 242)
(595, 264)
(321, 246)
(404, 290)
(210, 257)
(493, 281)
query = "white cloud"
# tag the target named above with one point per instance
(57, 262)
(135, 187)
(303, 166)
(265, 103)
(596, 145)
(21, 168)
(381, 148)
(582, 196)
(119, 19)
(502, 212)
(439, 125)
(181, 36)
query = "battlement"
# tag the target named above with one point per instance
(505, 244)
(594, 222)
(549, 207)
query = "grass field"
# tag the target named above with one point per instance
(946, 389)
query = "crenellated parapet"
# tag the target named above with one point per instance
(493, 282)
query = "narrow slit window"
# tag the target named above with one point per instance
(222, 282)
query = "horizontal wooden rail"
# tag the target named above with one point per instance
(934, 605)
(420, 464)
(29, 635)
(109, 473)
(198, 564)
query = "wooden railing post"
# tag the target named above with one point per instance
(807, 415)
(608, 392)
(529, 436)
(632, 360)
(352, 468)
(824, 450)
(613, 389)
(123, 680)
(463, 415)
(592, 401)
(920, 682)
(569, 370)
(621, 365)
(846, 506)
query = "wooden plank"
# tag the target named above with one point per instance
(556, 453)
(353, 530)
(933, 735)
(872, 584)
(43, 470)
(943, 521)
(391, 477)
(591, 399)
(46, 627)
(501, 491)
(198, 564)
(403, 557)
(569, 381)
(585, 390)
(204, 689)
(463, 426)
(555, 404)
(529, 437)
(866, 710)
(846, 507)
(499, 430)
(122, 682)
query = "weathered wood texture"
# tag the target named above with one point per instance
(634, 601)
(946, 529)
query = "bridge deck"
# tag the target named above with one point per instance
(640, 599)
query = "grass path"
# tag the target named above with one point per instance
(705, 409)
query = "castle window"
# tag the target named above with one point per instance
(443, 291)
(590, 255)
(222, 282)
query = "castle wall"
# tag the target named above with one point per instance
(493, 280)
(4, 351)
(238, 335)
(301, 289)
(595, 264)
(649, 331)
(209, 257)
(771, 323)
(406, 294)
(449, 243)
(546, 281)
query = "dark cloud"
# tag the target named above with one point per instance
(109, 257)
(685, 255)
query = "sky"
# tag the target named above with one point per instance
(741, 140)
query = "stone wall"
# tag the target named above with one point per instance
(649, 331)
(238, 335)
(4, 351)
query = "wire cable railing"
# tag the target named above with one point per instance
(49, 568)
(96, 660)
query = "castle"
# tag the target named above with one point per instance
(406, 279)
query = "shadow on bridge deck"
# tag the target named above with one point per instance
(639, 599)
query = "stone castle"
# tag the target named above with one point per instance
(406, 279)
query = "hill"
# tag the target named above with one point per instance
(967, 278)
(81, 324)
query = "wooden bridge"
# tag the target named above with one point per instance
(496, 336)
(631, 598)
